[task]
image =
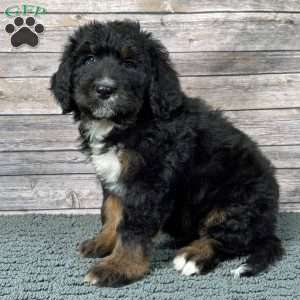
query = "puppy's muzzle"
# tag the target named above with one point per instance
(105, 88)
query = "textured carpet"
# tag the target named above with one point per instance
(38, 261)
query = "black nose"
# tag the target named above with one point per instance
(105, 88)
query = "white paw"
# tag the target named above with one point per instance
(239, 271)
(90, 278)
(190, 268)
(186, 268)
(179, 262)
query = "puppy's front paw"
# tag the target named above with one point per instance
(87, 248)
(124, 266)
(95, 248)
(107, 275)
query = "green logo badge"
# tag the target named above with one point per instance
(25, 30)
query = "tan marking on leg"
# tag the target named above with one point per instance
(105, 240)
(130, 259)
(203, 248)
(127, 263)
(198, 257)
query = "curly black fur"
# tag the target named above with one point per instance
(194, 160)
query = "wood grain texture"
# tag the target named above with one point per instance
(196, 32)
(246, 92)
(84, 191)
(289, 207)
(53, 132)
(228, 63)
(289, 182)
(58, 132)
(49, 192)
(186, 64)
(257, 39)
(283, 207)
(168, 6)
(269, 127)
(224, 92)
(33, 96)
(66, 211)
(44, 162)
(283, 156)
(74, 162)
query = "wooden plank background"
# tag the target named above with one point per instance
(242, 57)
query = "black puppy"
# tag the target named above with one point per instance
(167, 162)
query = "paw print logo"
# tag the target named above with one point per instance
(24, 34)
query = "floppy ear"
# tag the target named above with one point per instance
(164, 93)
(61, 81)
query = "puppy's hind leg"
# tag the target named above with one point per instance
(265, 253)
(199, 257)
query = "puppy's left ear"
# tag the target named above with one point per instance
(61, 82)
(165, 92)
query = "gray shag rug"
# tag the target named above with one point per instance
(38, 260)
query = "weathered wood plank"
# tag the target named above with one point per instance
(269, 127)
(49, 192)
(171, 6)
(283, 156)
(44, 162)
(289, 182)
(220, 63)
(74, 162)
(83, 191)
(289, 207)
(183, 32)
(186, 64)
(284, 207)
(66, 211)
(246, 92)
(26, 96)
(224, 92)
(58, 132)
(50, 132)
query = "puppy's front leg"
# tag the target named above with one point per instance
(129, 260)
(127, 263)
(104, 242)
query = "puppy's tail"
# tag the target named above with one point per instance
(266, 253)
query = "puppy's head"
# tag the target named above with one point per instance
(118, 72)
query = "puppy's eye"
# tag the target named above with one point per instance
(129, 64)
(90, 60)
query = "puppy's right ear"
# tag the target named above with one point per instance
(61, 82)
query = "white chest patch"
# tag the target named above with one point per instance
(107, 164)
